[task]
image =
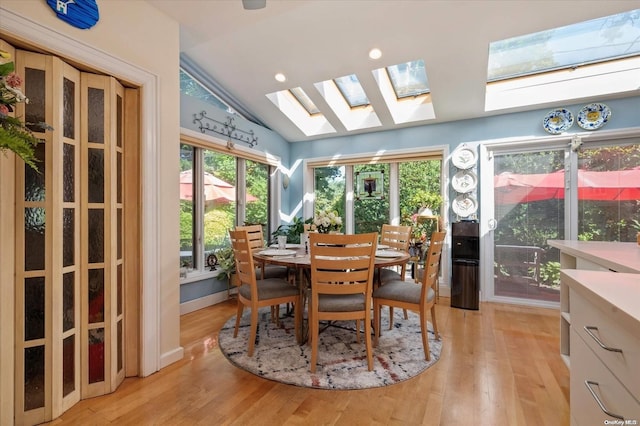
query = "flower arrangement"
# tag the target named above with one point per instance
(15, 135)
(327, 221)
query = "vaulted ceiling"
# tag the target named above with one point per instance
(316, 40)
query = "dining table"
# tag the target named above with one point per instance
(297, 258)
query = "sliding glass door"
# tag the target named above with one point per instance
(588, 191)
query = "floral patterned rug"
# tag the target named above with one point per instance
(342, 363)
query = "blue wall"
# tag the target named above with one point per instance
(625, 113)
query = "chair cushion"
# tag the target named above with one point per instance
(402, 291)
(341, 303)
(387, 274)
(273, 271)
(269, 289)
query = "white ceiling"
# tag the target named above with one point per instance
(316, 40)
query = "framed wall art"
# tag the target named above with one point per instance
(369, 185)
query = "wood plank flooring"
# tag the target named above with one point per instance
(499, 366)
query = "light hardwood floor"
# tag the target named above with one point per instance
(499, 366)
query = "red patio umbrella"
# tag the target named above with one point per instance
(618, 185)
(215, 189)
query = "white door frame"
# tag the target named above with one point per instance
(61, 44)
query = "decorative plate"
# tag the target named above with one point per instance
(464, 205)
(276, 252)
(558, 121)
(593, 116)
(464, 181)
(464, 158)
(388, 253)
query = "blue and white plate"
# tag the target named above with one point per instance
(558, 121)
(593, 116)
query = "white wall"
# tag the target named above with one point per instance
(138, 39)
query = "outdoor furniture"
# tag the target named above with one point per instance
(518, 263)
(268, 292)
(414, 296)
(341, 283)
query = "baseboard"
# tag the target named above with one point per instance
(169, 358)
(203, 302)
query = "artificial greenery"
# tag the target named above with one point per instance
(226, 263)
(15, 135)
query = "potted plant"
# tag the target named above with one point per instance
(292, 231)
(227, 265)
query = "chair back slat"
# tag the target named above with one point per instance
(342, 264)
(432, 262)
(396, 236)
(243, 254)
(256, 238)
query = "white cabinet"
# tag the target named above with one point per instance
(594, 256)
(605, 346)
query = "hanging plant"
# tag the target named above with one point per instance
(15, 135)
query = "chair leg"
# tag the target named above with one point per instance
(433, 321)
(357, 331)
(238, 317)
(254, 331)
(390, 317)
(313, 341)
(425, 335)
(367, 339)
(376, 322)
(406, 315)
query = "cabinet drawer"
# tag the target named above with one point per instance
(585, 366)
(625, 365)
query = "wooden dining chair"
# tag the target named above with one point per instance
(257, 294)
(397, 237)
(418, 297)
(256, 242)
(341, 284)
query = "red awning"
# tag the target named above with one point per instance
(215, 190)
(621, 185)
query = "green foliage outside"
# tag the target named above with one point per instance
(532, 224)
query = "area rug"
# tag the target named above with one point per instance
(342, 362)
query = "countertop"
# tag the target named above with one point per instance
(619, 291)
(620, 257)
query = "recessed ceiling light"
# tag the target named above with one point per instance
(280, 77)
(375, 53)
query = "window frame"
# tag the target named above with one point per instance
(205, 142)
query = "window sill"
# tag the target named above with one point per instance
(198, 276)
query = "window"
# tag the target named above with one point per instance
(304, 100)
(190, 86)
(408, 79)
(598, 40)
(418, 183)
(588, 59)
(210, 183)
(352, 91)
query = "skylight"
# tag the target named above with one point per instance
(352, 91)
(192, 87)
(598, 40)
(304, 100)
(408, 79)
(588, 59)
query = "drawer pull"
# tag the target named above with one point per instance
(588, 384)
(588, 329)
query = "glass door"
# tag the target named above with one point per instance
(586, 190)
(528, 192)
